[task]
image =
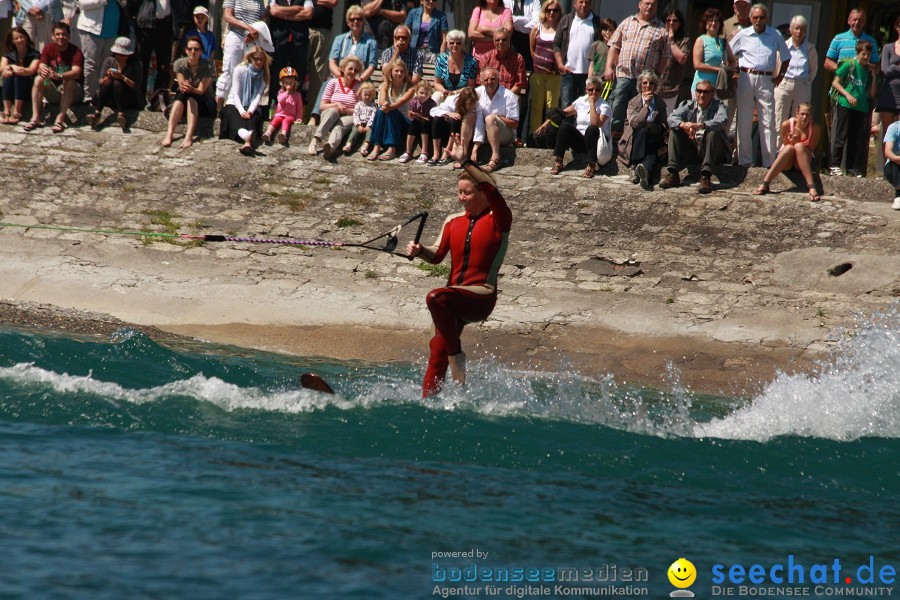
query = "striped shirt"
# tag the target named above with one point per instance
(641, 46)
(335, 92)
(246, 11)
(843, 47)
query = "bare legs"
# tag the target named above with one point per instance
(193, 115)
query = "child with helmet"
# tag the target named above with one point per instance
(288, 109)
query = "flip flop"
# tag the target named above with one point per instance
(5, 120)
(386, 157)
(14, 120)
(58, 127)
(31, 126)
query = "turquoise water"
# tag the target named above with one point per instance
(129, 468)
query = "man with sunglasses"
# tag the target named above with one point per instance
(697, 135)
(413, 57)
(757, 50)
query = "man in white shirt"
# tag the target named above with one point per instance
(796, 87)
(757, 50)
(574, 36)
(497, 116)
(526, 14)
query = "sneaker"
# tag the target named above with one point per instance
(641, 174)
(423, 158)
(705, 184)
(671, 180)
(896, 204)
(835, 172)
(405, 157)
(327, 149)
(634, 176)
(313, 147)
(854, 173)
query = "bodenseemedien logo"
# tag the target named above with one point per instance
(682, 575)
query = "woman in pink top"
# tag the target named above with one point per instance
(488, 16)
(801, 136)
(289, 108)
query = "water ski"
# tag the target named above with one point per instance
(311, 381)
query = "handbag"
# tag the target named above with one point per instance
(724, 84)
(604, 149)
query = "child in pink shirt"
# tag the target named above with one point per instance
(289, 108)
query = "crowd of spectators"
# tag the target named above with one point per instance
(536, 76)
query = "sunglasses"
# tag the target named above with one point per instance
(671, 20)
(192, 49)
(356, 19)
(501, 41)
(704, 92)
(552, 10)
(401, 37)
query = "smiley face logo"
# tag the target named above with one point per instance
(682, 573)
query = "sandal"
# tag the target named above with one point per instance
(589, 171)
(58, 127)
(491, 166)
(813, 193)
(31, 125)
(14, 120)
(93, 120)
(387, 156)
(762, 189)
(366, 148)
(442, 161)
(405, 157)
(557, 167)
(5, 119)
(371, 156)
(423, 159)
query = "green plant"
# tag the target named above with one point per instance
(348, 222)
(370, 275)
(163, 218)
(670, 300)
(435, 270)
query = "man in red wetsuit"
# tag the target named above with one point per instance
(476, 240)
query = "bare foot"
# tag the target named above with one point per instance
(187, 143)
(167, 141)
(458, 367)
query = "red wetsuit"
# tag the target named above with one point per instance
(477, 245)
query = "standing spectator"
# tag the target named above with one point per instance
(888, 103)
(645, 128)
(526, 15)
(194, 77)
(154, 36)
(18, 68)
(756, 50)
(711, 52)
(487, 17)
(319, 47)
(38, 21)
(454, 70)
(544, 82)
(640, 43)
(498, 118)
(697, 135)
(240, 15)
(58, 79)
(592, 115)
(382, 17)
(429, 29)
(599, 50)
(242, 115)
(574, 36)
(338, 102)
(120, 74)
(740, 19)
(6, 12)
(856, 88)
(289, 26)
(98, 26)
(679, 47)
(509, 64)
(801, 136)
(796, 87)
(892, 160)
(201, 30)
(402, 50)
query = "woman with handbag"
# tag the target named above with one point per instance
(711, 53)
(592, 119)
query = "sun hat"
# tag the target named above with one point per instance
(122, 46)
(201, 10)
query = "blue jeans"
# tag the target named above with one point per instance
(571, 88)
(626, 89)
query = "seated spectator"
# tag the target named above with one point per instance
(457, 115)
(697, 135)
(363, 115)
(487, 17)
(401, 50)
(855, 86)
(544, 81)
(201, 30)
(429, 29)
(497, 118)
(194, 95)
(892, 160)
(390, 124)
(592, 117)
(18, 67)
(120, 75)
(454, 69)
(242, 116)
(288, 109)
(338, 102)
(58, 79)
(419, 113)
(800, 136)
(645, 126)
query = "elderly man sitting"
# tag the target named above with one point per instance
(697, 135)
(497, 117)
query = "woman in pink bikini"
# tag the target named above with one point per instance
(800, 137)
(488, 16)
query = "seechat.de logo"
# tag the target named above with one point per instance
(682, 574)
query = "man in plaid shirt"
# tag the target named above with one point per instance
(640, 43)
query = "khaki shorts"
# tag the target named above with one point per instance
(507, 135)
(53, 92)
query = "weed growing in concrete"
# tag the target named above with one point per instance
(435, 270)
(348, 222)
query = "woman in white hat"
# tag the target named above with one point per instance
(119, 84)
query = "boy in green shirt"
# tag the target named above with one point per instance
(855, 87)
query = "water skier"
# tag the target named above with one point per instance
(476, 240)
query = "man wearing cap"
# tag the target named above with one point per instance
(757, 50)
(98, 26)
(201, 30)
(241, 16)
(289, 25)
